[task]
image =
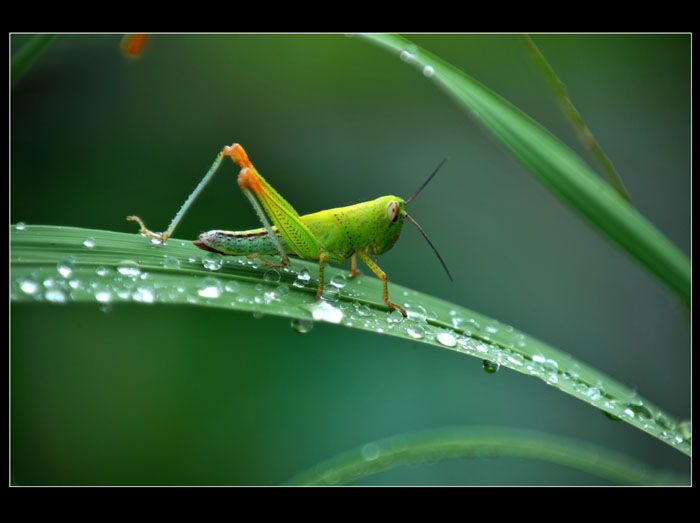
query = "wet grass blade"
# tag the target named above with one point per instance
(481, 442)
(555, 165)
(64, 265)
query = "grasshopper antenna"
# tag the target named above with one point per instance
(426, 183)
(444, 265)
(428, 239)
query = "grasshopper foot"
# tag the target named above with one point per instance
(399, 308)
(146, 232)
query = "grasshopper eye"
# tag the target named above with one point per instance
(392, 211)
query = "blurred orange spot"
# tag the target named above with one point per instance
(134, 44)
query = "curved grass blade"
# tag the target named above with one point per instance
(556, 165)
(66, 264)
(481, 442)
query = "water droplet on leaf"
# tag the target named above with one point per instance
(447, 339)
(213, 261)
(170, 262)
(490, 367)
(302, 326)
(209, 288)
(129, 268)
(65, 268)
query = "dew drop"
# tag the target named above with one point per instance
(641, 411)
(415, 331)
(331, 294)
(447, 339)
(551, 366)
(538, 358)
(515, 358)
(415, 311)
(303, 278)
(55, 296)
(170, 262)
(490, 367)
(407, 57)
(144, 295)
(129, 268)
(209, 288)
(610, 416)
(28, 286)
(324, 311)
(213, 261)
(339, 281)
(232, 286)
(65, 268)
(103, 295)
(101, 271)
(89, 242)
(363, 310)
(271, 276)
(593, 392)
(473, 324)
(428, 71)
(20, 226)
(302, 326)
(394, 317)
(371, 451)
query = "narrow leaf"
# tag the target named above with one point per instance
(556, 165)
(481, 442)
(64, 265)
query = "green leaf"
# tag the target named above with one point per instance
(65, 265)
(556, 165)
(481, 442)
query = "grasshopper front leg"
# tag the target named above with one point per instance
(382, 276)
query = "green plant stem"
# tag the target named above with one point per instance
(481, 442)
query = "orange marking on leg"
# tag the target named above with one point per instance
(238, 155)
(248, 180)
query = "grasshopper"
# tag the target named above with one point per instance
(366, 229)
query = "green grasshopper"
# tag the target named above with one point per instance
(367, 229)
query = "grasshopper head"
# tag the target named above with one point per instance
(394, 209)
(391, 213)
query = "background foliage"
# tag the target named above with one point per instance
(166, 395)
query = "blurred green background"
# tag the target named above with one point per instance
(188, 396)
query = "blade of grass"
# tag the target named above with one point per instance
(555, 165)
(65, 265)
(481, 442)
(585, 135)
